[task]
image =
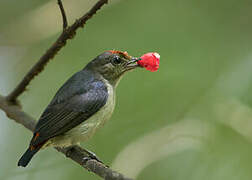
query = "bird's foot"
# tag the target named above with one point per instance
(69, 151)
(91, 156)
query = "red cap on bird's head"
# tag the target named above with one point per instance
(124, 54)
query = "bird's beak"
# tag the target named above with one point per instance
(132, 63)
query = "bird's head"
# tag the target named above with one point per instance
(112, 65)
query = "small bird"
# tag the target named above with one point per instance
(82, 105)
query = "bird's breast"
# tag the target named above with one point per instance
(106, 111)
(86, 129)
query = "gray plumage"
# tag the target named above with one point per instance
(67, 109)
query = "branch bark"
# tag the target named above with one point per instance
(77, 154)
(67, 34)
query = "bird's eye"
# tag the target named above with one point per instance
(116, 60)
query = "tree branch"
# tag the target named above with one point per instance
(64, 18)
(77, 154)
(68, 33)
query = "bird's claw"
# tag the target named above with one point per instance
(91, 156)
(69, 151)
(86, 159)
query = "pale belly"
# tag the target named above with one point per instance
(87, 129)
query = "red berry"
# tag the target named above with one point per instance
(150, 61)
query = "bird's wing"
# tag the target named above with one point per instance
(60, 117)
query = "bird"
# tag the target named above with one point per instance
(82, 105)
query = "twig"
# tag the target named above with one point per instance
(68, 33)
(64, 18)
(77, 154)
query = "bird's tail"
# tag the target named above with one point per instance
(27, 156)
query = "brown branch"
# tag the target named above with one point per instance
(77, 154)
(64, 18)
(68, 33)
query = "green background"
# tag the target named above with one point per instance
(191, 119)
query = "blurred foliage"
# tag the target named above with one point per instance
(190, 120)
